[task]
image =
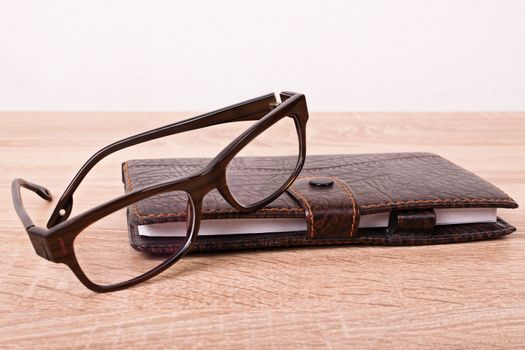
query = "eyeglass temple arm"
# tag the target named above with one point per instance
(253, 109)
(17, 199)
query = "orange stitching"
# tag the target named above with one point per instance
(346, 189)
(352, 198)
(311, 232)
(128, 181)
(210, 211)
(431, 201)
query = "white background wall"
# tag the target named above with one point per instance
(365, 55)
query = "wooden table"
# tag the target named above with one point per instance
(455, 296)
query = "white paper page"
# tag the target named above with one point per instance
(272, 225)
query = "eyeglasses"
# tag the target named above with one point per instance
(66, 238)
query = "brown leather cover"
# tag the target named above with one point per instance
(408, 185)
(334, 206)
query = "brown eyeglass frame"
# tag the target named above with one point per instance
(56, 242)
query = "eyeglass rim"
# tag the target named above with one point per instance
(56, 242)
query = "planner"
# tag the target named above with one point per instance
(386, 199)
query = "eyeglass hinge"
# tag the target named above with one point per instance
(274, 105)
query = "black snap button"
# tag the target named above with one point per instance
(321, 182)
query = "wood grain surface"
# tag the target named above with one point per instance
(445, 296)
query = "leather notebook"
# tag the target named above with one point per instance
(334, 201)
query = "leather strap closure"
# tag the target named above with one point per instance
(412, 222)
(330, 206)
